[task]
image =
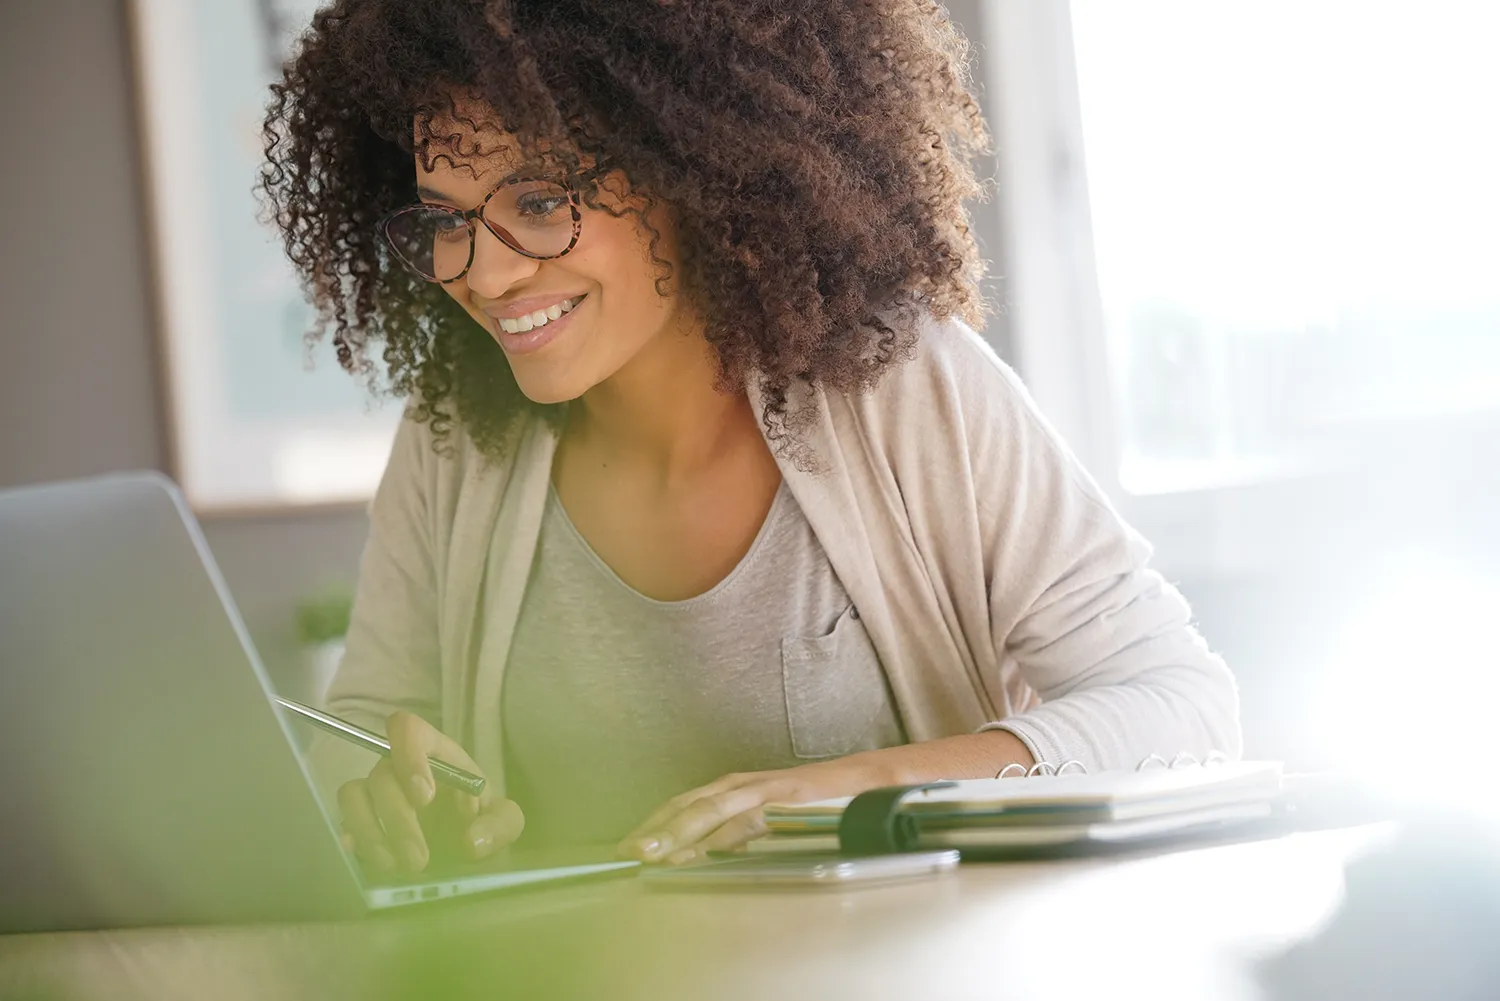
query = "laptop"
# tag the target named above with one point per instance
(147, 777)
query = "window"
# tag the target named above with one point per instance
(1296, 220)
(1247, 242)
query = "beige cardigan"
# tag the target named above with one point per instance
(996, 582)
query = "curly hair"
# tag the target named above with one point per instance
(813, 156)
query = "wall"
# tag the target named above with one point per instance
(79, 380)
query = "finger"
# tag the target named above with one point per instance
(402, 828)
(646, 841)
(362, 827)
(734, 832)
(635, 844)
(413, 741)
(682, 801)
(697, 819)
(650, 828)
(707, 815)
(496, 826)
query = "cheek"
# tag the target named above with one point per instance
(628, 273)
(624, 277)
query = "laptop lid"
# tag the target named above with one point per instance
(147, 777)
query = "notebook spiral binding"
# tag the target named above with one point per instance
(1180, 760)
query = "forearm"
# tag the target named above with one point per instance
(1166, 712)
(970, 756)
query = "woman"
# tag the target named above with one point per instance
(706, 496)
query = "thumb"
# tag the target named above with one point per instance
(499, 823)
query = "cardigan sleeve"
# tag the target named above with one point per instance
(390, 659)
(1102, 638)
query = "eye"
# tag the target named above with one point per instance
(449, 228)
(537, 205)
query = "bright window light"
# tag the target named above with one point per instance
(1409, 702)
(1295, 212)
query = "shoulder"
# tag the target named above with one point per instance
(952, 343)
(442, 451)
(431, 476)
(421, 457)
(954, 412)
(952, 358)
(954, 387)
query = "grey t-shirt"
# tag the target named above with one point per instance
(614, 702)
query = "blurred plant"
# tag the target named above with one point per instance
(324, 618)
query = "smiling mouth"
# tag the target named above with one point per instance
(541, 317)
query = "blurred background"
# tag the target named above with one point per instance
(1244, 254)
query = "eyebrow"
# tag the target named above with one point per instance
(432, 195)
(523, 170)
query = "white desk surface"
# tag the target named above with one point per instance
(1184, 925)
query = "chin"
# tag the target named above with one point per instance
(546, 391)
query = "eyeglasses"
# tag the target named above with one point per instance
(536, 217)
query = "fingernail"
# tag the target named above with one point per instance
(654, 848)
(482, 844)
(416, 857)
(679, 857)
(384, 860)
(422, 788)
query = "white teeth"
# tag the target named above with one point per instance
(540, 318)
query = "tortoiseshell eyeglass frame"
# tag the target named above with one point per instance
(572, 184)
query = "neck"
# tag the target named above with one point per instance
(663, 410)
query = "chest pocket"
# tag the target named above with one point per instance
(837, 701)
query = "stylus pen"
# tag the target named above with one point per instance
(454, 776)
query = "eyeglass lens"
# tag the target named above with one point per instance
(535, 217)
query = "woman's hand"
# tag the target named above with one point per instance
(398, 813)
(725, 814)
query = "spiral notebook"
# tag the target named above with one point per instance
(1045, 807)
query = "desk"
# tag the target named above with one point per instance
(1182, 925)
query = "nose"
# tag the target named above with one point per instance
(496, 267)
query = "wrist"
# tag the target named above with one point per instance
(1005, 748)
(970, 756)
